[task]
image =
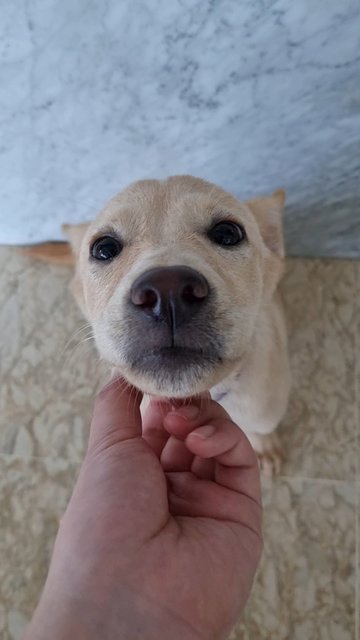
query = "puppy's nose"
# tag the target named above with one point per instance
(170, 294)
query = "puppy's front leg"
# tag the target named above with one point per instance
(258, 425)
(269, 451)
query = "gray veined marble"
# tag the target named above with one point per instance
(252, 95)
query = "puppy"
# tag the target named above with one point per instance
(179, 282)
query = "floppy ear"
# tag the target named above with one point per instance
(59, 252)
(268, 212)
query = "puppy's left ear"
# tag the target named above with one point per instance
(74, 234)
(268, 212)
(64, 253)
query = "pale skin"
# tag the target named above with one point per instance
(162, 535)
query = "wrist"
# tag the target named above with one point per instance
(125, 615)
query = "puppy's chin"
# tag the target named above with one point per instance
(175, 372)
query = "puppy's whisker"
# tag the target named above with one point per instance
(66, 356)
(90, 337)
(84, 328)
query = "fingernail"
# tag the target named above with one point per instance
(190, 411)
(204, 432)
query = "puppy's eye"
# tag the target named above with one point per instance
(227, 234)
(105, 248)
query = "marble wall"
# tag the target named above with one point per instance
(252, 95)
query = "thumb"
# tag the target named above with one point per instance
(116, 415)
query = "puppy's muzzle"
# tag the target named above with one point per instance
(171, 343)
(171, 295)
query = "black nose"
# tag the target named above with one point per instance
(170, 294)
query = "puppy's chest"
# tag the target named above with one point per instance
(237, 401)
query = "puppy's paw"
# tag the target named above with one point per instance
(269, 452)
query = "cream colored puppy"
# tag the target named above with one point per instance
(179, 282)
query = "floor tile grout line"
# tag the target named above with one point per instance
(15, 456)
(324, 481)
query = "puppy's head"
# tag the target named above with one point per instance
(172, 276)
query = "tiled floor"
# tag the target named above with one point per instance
(307, 585)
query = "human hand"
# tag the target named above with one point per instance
(162, 535)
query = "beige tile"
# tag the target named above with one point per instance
(305, 588)
(357, 635)
(48, 379)
(33, 495)
(319, 430)
(357, 592)
(357, 375)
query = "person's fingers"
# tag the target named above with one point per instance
(176, 456)
(191, 497)
(204, 469)
(181, 410)
(236, 466)
(217, 457)
(153, 424)
(183, 419)
(116, 415)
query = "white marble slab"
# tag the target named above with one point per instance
(252, 95)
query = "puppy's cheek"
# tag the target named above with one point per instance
(109, 345)
(239, 331)
(77, 290)
(234, 345)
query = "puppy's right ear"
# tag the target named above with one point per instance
(59, 252)
(268, 212)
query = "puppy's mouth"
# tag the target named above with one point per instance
(172, 370)
(175, 359)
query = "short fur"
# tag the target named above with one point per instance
(165, 223)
